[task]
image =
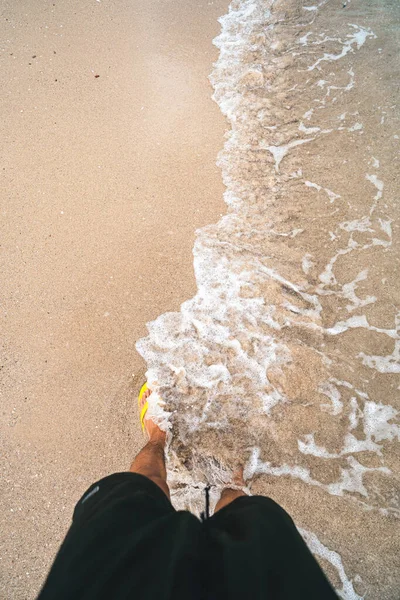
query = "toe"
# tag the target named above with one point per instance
(144, 398)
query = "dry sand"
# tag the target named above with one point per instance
(104, 180)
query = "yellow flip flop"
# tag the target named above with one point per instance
(145, 406)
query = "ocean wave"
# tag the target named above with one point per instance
(287, 357)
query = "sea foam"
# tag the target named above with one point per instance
(273, 363)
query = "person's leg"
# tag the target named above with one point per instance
(228, 494)
(150, 461)
(255, 531)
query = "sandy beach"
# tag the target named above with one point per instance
(109, 138)
(273, 323)
(287, 357)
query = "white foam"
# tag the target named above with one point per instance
(304, 38)
(356, 322)
(389, 363)
(377, 183)
(383, 364)
(375, 418)
(375, 162)
(273, 283)
(350, 481)
(308, 130)
(349, 292)
(355, 127)
(279, 152)
(346, 591)
(332, 392)
(357, 38)
(386, 226)
(307, 263)
(331, 195)
(364, 224)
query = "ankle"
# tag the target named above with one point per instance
(158, 438)
(232, 492)
(228, 495)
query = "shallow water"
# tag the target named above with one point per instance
(287, 358)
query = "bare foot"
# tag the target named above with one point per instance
(228, 494)
(238, 477)
(155, 434)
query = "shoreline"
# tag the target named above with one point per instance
(111, 138)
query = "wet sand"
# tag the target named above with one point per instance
(109, 139)
(288, 354)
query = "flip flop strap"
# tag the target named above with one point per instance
(143, 413)
(143, 389)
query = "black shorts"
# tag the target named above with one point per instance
(127, 541)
